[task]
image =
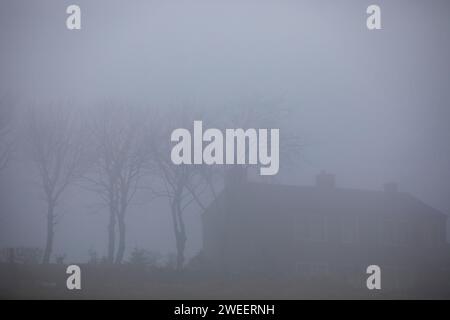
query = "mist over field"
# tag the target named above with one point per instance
(369, 107)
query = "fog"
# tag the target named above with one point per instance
(369, 107)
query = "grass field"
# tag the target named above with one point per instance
(20, 281)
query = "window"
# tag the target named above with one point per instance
(426, 234)
(311, 228)
(349, 229)
(317, 229)
(395, 231)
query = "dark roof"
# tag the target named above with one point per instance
(260, 197)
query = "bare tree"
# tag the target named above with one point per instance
(57, 144)
(118, 167)
(256, 111)
(182, 185)
(175, 181)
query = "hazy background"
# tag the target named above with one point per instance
(369, 106)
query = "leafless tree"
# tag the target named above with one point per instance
(182, 185)
(57, 143)
(120, 155)
(256, 111)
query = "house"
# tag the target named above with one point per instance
(322, 229)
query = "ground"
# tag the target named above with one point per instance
(131, 282)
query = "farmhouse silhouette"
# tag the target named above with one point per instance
(323, 230)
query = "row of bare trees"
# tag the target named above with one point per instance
(120, 161)
(116, 151)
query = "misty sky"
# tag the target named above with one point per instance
(370, 106)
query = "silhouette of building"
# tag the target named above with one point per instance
(322, 229)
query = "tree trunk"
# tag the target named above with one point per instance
(50, 233)
(180, 232)
(111, 235)
(181, 244)
(121, 248)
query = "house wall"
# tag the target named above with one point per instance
(269, 241)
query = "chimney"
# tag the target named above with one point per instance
(390, 187)
(325, 180)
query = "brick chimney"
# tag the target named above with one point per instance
(325, 180)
